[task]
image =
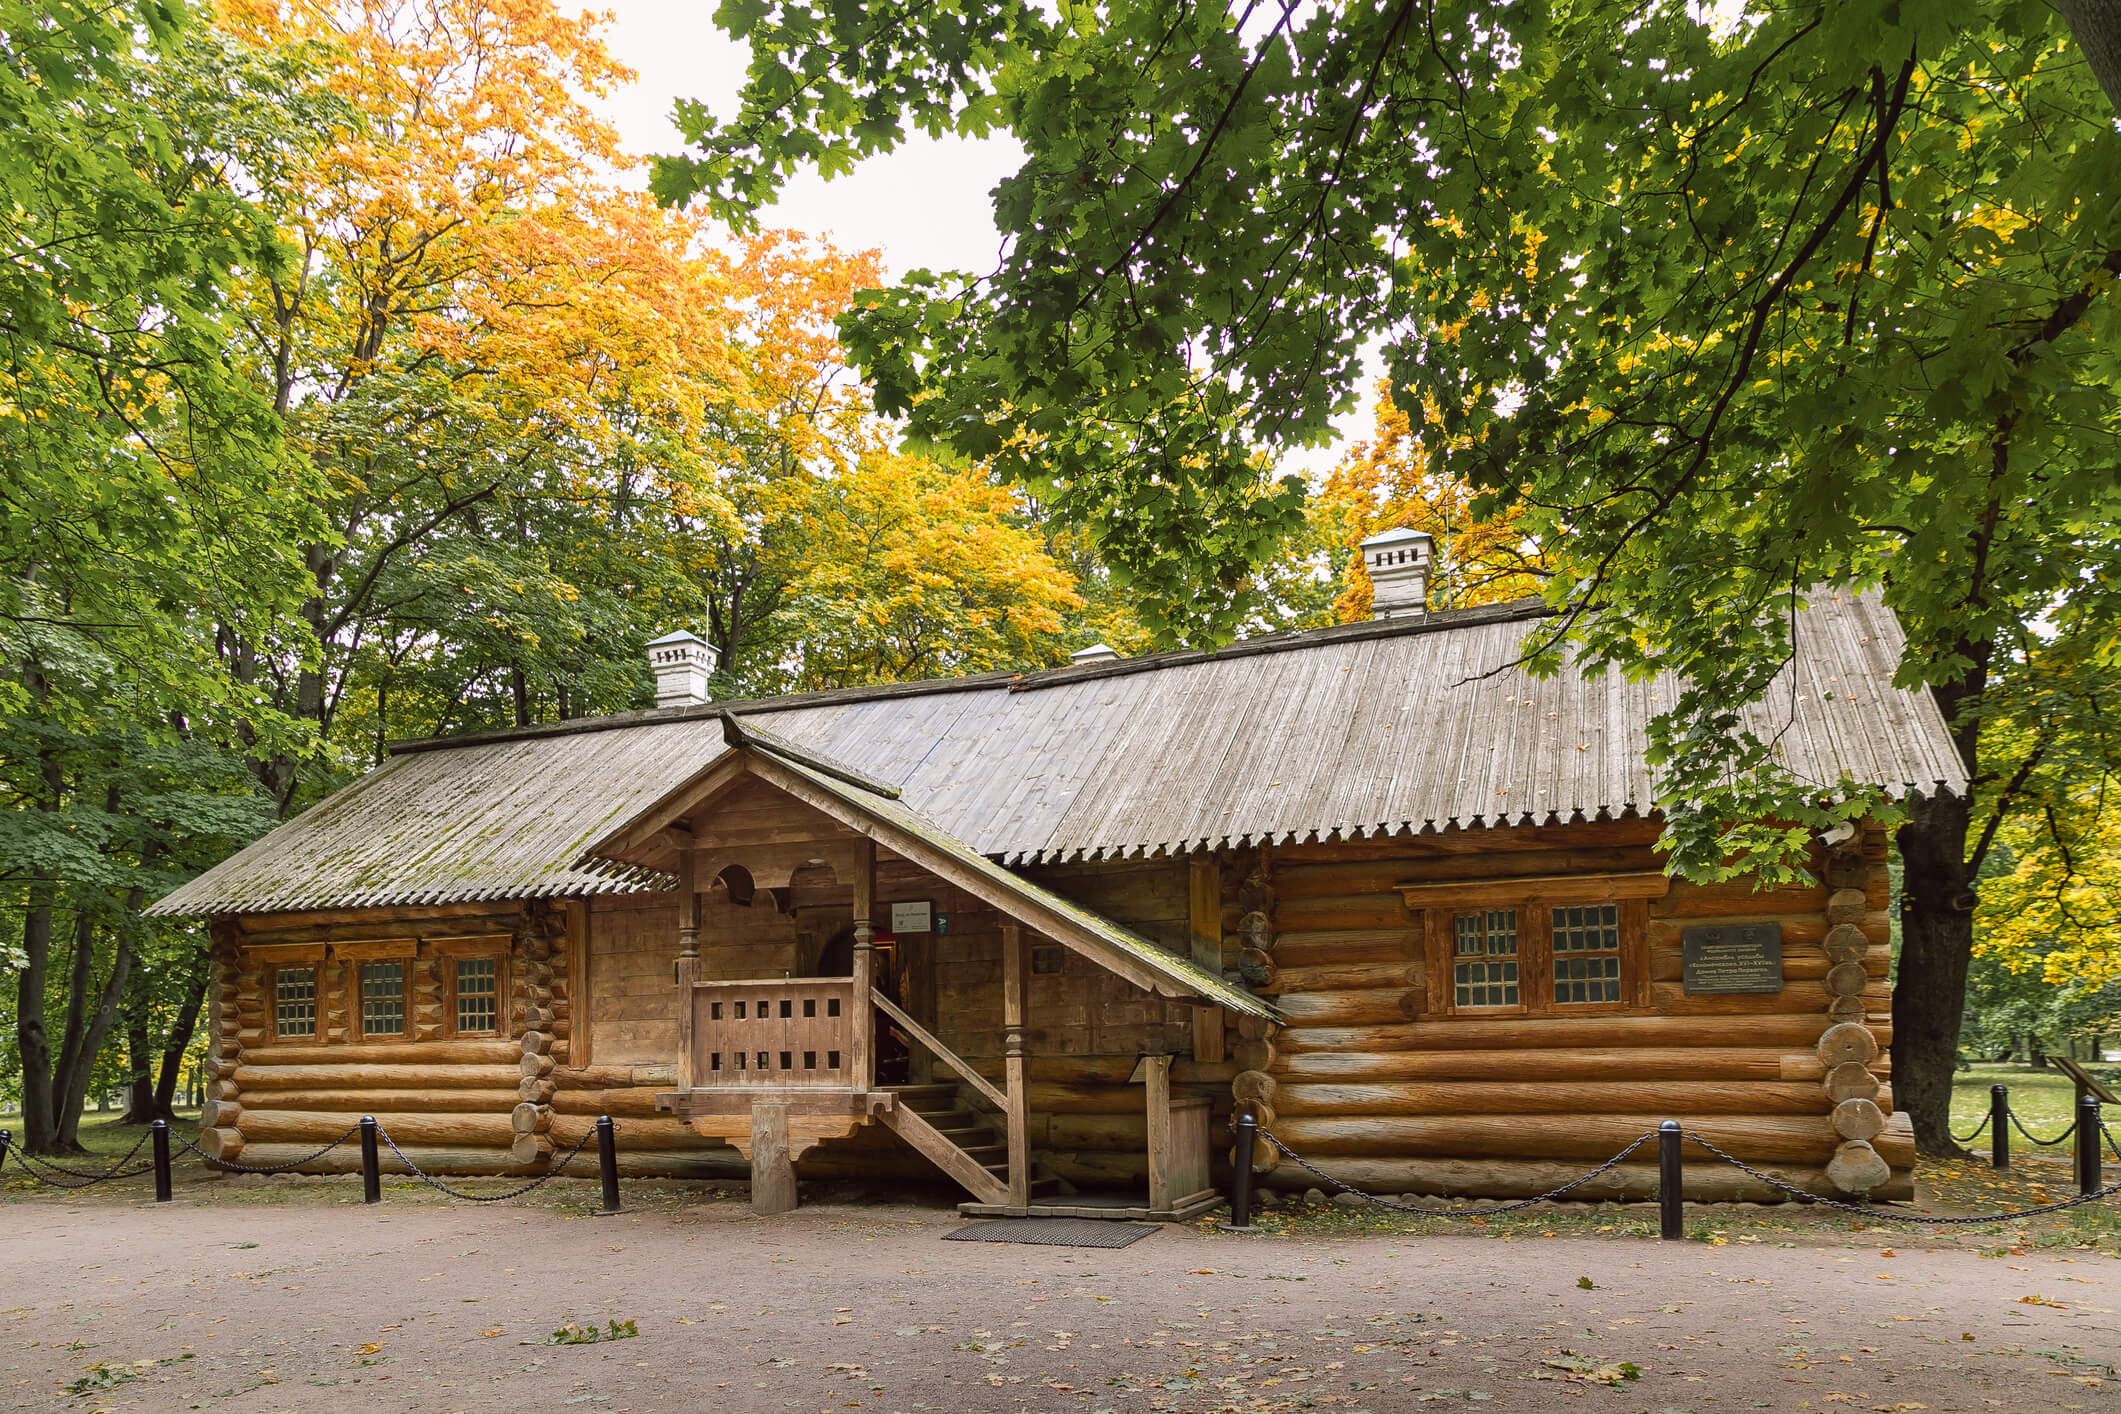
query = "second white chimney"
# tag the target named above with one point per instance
(682, 661)
(1398, 562)
(1095, 653)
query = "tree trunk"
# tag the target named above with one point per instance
(2097, 27)
(67, 1102)
(31, 1040)
(140, 1074)
(180, 1034)
(1936, 946)
(73, 1085)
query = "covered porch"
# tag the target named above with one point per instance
(848, 1029)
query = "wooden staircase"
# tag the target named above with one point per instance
(961, 1142)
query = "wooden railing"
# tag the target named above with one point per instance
(795, 1033)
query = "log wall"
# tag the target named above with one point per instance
(438, 1093)
(1369, 1079)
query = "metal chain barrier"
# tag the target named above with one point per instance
(2061, 1138)
(33, 1163)
(232, 1167)
(2110, 1139)
(1866, 1211)
(435, 1183)
(1970, 1138)
(1307, 1166)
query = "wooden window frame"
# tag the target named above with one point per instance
(448, 952)
(1535, 900)
(319, 998)
(356, 1016)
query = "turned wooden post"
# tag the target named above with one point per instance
(688, 969)
(1013, 1064)
(772, 1164)
(861, 1042)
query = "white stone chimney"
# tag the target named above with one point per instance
(1095, 653)
(682, 662)
(1398, 561)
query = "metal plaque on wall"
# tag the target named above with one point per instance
(1731, 957)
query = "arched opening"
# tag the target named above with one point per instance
(894, 1051)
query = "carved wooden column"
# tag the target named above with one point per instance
(1013, 1063)
(688, 969)
(861, 1043)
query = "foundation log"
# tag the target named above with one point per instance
(1557, 1098)
(447, 1053)
(315, 1127)
(1609, 1064)
(1551, 1033)
(1507, 1178)
(1776, 1139)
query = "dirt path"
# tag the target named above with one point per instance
(324, 1306)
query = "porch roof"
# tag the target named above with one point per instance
(872, 808)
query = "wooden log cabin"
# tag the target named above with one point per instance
(1039, 934)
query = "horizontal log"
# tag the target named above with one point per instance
(1545, 1032)
(632, 1101)
(1341, 911)
(395, 1053)
(1737, 896)
(709, 1163)
(1397, 973)
(360, 1102)
(1367, 1007)
(1558, 1063)
(1526, 1178)
(610, 1077)
(1700, 1097)
(1797, 929)
(1778, 1139)
(1346, 945)
(1366, 876)
(660, 1132)
(425, 917)
(314, 1127)
(1796, 998)
(1800, 963)
(1485, 840)
(259, 1078)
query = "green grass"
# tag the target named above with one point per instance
(2044, 1100)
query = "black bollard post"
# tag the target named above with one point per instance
(1671, 1223)
(2087, 1143)
(608, 1163)
(7, 1137)
(1244, 1128)
(161, 1133)
(1999, 1126)
(371, 1163)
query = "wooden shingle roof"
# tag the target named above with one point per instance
(1367, 729)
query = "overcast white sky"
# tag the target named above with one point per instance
(924, 206)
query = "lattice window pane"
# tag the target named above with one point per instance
(1484, 967)
(478, 995)
(383, 999)
(1587, 954)
(295, 1001)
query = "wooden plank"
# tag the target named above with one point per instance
(1205, 907)
(772, 1165)
(1156, 1082)
(942, 1052)
(946, 1156)
(1014, 1111)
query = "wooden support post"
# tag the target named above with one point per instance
(1157, 1084)
(1017, 1117)
(772, 1163)
(1205, 894)
(861, 1039)
(688, 969)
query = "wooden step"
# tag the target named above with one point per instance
(921, 1097)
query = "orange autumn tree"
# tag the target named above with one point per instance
(1388, 481)
(554, 418)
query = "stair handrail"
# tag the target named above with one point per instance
(941, 1052)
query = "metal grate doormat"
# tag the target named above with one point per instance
(1052, 1232)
